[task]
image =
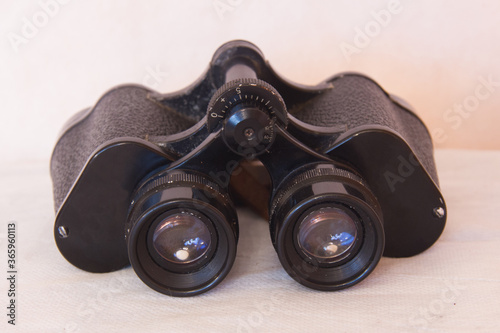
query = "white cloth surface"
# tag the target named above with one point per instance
(452, 287)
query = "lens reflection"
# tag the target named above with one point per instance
(327, 234)
(181, 238)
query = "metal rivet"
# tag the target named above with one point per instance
(439, 212)
(63, 231)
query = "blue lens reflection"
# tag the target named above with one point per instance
(327, 234)
(182, 238)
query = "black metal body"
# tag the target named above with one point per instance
(92, 224)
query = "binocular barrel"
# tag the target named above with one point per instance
(157, 191)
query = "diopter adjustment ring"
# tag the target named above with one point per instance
(175, 178)
(247, 92)
(248, 111)
(313, 175)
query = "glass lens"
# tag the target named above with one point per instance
(327, 234)
(181, 238)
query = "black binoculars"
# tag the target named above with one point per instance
(344, 171)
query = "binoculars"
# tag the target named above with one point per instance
(343, 170)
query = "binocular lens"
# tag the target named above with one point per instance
(327, 234)
(182, 233)
(327, 228)
(181, 238)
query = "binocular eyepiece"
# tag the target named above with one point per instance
(146, 179)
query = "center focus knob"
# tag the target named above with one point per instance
(248, 131)
(247, 110)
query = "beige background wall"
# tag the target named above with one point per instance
(437, 56)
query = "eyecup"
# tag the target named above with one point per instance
(326, 186)
(191, 192)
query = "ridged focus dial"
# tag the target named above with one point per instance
(248, 110)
